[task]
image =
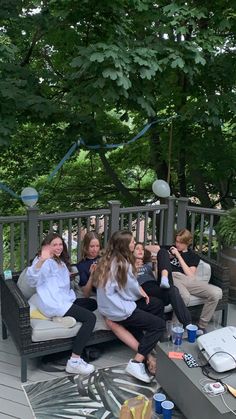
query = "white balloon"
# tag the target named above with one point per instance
(161, 188)
(29, 196)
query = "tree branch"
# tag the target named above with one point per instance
(119, 185)
(38, 34)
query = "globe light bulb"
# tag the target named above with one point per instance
(29, 196)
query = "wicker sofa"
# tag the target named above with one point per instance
(15, 312)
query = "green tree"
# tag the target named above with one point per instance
(66, 66)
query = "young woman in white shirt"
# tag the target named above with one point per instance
(50, 274)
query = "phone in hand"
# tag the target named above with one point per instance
(73, 274)
(170, 254)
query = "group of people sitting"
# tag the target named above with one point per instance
(130, 293)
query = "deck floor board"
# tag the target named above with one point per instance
(13, 402)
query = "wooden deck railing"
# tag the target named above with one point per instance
(20, 236)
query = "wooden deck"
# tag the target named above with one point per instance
(13, 403)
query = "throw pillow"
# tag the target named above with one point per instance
(203, 272)
(35, 313)
(23, 285)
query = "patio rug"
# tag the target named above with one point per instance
(98, 396)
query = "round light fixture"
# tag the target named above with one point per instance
(29, 196)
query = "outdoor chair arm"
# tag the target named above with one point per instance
(15, 312)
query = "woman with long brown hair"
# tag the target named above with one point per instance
(50, 275)
(122, 300)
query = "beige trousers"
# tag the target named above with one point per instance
(190, 286)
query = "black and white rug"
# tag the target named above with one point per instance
(98, 396)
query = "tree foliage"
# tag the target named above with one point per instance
(100, 71)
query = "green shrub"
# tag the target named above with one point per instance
(226, 228)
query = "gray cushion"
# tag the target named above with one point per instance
(203, 272)
(22, 284)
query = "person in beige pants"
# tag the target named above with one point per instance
(181, 265)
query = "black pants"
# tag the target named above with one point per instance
(81, 310)
(146, 319)
(169, 296)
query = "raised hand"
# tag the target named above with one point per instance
(46, 252)
(174, 251)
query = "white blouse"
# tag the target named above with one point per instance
(54, 296)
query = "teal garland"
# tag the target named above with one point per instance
(80, 143)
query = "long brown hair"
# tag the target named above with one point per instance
(91, 235)
(64, 256)
(147, 256)
(118, 251)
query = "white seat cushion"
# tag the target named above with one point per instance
(47, 330)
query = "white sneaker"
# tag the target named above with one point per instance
(66, 321)
(79, 367)
(137, 370)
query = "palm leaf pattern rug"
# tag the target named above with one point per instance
(98, 396)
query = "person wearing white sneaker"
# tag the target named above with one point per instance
(50, 274)
(137, 370)
(122, 300)
(79, 366)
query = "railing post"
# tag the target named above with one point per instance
(114, 223)
(170, 221)
(182, 213)
(32, 233)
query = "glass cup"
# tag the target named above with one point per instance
(169, 326)
(177, 334)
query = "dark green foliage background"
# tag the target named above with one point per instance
(101, 70)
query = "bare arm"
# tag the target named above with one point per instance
(144, 295)
(153, 248)
(87, 289)
(188, 270)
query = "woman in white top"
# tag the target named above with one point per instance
(50, 274)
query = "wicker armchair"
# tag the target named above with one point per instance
(15, 313)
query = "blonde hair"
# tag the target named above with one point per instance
(117, 251)
(185, 236)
